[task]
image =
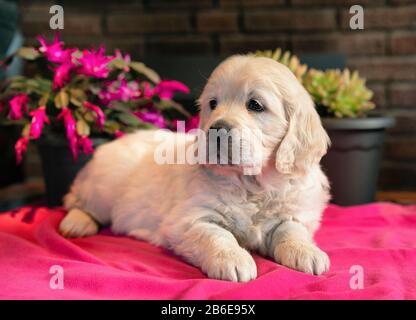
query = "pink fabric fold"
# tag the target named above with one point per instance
(381, 238)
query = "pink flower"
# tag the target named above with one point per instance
(118, 133)
(39, 117)
(70, 127)
(20, 148)
(98, 113)
(61, 75)
(190, 124)
(166, 88)
(126, 58)
(86, 145)
(153, 117)
(94, 63)
(54, 51)
(148, 92)
(128, 91)
(120, 90)
(18, 105)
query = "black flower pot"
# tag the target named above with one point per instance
(59, 167)
(353, 161)
(10, 172)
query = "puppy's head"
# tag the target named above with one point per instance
(263, 102)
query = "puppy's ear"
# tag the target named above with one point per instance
(305, 141)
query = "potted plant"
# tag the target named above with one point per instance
(357, 136)
(354, 158)
(78, 99)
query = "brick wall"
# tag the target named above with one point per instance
(385, 52)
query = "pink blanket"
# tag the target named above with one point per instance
(377, 239)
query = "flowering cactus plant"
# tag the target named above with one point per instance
(82, 94)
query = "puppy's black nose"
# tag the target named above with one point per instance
(220, 125)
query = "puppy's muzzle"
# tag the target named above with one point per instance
(222, 142)
(221, 125)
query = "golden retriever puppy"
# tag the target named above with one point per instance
(212, 214)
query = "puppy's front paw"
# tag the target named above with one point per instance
(302, 256)
(233, 265)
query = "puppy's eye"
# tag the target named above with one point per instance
(213, 104)
(254, 105)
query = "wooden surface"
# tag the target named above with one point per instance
(404, 197)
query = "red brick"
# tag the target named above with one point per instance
(85, 42)
(403, 43)
(149, 23)
(382, 18)
(231, 44)
(31, 7)
(74, 24)
(372, 43)
(135, 46)
(179, 4)
(251, 3)
(379, 94)
(398, 176)
(400, 148)
(397, 2)
(403, 95)
(290, 20)
(405, 122)
(336, 3)
(124, 6)
(385, 68)
(284, 19)
(185, 45)
(216, 21)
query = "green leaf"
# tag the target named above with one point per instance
(167, 104)
(17, 85)
(28, 53)
(61, 99)
(111, 126)
(120, 106)
(77, 54)
(83, 129)
(129, 119)
(26, 130)
(147, 72)
(44, 85)
(117, 63)
(44, 99)
(77, 97)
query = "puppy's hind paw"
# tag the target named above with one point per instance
(76, 224)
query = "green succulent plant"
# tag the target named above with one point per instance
(286, 58)
(335, 93)
(339, 93)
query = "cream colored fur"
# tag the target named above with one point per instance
(212, 215)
